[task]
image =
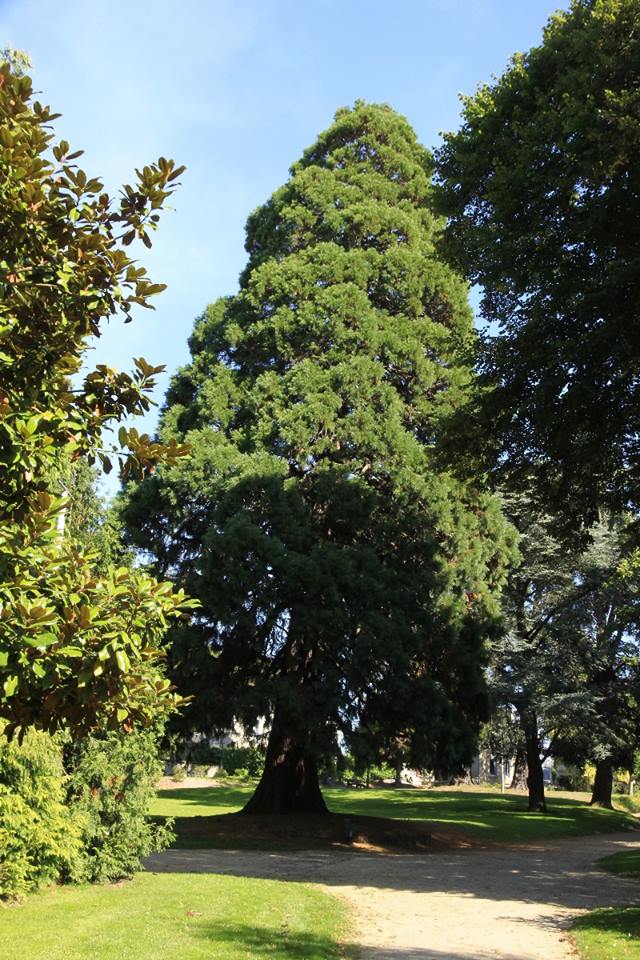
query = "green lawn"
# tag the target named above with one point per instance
(611, 934)
(631, 804)
(177, 916)
(626, 863)
(484, 814)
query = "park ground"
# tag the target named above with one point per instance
(509, 887)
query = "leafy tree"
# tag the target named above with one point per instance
(346, 579)
(568, 662)
(541, 186)
(76, 649)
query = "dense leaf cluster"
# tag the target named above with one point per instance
(76, 649)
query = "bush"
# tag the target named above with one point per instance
(199, 769)
(574, 778)
(40, 836)
(112, 781)
(382, 771)
(231, 759)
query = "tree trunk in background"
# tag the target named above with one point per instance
(535, 776)
(289, 782)
(399, 772)
(519, 776)
(603, 784)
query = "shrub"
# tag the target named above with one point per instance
(112, 780)
(200, 769)
(40, 836)
(231, 759)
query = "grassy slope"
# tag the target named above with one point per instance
(185, 916)
(484, 814)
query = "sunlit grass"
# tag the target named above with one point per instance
(177, 916)
(611, 934)
(485, 814)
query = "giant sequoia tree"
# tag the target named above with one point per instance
(345, 578)
(542, 189)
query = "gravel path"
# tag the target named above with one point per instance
(506, 904)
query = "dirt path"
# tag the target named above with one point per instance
(511, 904)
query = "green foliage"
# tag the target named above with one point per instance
(76, 648)
(65, 270)
(230, 759)
(112, 780)
(79, 650)
(345, 577)
(568, 604)
(76, 810)
(542, 189)
(40, 837)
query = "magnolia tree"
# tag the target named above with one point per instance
(76, 648)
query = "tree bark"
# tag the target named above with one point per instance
(519, 777)
(399, 765)
(535, 776)
(289, 782)
(603, 784)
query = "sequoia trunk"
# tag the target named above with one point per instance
(289, 782)
(603, 784)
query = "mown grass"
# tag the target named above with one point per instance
(614, 933)
(483, 814)
(610, 934)
(185, 916)
(625, 864)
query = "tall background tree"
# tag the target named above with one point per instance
(567, 664)
(346, 579)
(541, 186)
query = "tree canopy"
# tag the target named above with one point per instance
(541, 186)
(346, 578)
(567, 663)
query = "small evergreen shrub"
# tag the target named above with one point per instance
(40, 835)
(112, 780)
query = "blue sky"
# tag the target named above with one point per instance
(236, 91)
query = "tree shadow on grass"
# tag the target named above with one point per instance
(262, 943)
(623, 922)
(265, 942)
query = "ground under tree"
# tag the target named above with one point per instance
(346, 578)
